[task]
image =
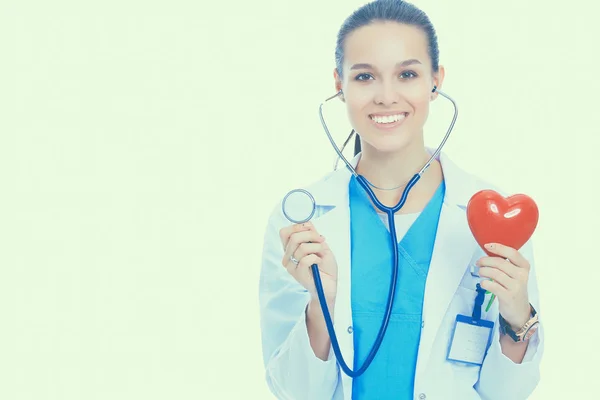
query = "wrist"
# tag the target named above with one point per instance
(314, 311)
(520, 333)
(518, 321)
(329, 299)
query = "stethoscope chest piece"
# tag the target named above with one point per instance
(298, 206)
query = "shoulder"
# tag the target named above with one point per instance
(461, 184)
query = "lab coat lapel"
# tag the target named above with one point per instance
(452, 252)
(448, 264)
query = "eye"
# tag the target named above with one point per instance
(363, 77)
(408, 75)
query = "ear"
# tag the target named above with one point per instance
(338, 84)
(438, 80)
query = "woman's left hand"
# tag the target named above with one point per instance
(510, 274)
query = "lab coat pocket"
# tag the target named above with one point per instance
(473, 268)
(467, 290)
(463, 302)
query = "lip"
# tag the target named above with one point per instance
(390, 126)
(386, 114)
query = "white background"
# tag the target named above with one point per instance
(144, 144)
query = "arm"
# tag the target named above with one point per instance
(512, 370)
(513, 350)
(293, 370)
(317, 329)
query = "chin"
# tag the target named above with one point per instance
(387, 143)
(387, 148)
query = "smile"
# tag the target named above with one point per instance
(388, 121)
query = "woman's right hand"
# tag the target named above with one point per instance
(303, 242)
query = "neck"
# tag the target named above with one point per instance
(389, 170)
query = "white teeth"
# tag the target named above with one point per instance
(388, 119)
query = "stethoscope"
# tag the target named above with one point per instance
(301, 203)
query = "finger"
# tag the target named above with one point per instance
(308, 261)
(508, 252)
(494, 287)
(285, 233)
(288, 232)
(498, 276)
(307, 248)
(501, 264)
(325, 249)
(302, 270)
(297, 238)
(304, 237)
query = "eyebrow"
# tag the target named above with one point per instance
(399, 65)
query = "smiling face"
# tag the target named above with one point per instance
(387, 83)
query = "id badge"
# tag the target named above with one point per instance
(470, 340)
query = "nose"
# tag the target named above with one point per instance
(387, 94)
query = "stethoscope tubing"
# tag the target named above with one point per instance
(390, 211)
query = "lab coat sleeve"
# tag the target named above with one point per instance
(501, 378)
(293, 371)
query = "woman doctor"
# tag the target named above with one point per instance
(386, 67)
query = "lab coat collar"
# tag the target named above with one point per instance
(458, 189)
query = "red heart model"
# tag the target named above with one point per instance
(494, 219)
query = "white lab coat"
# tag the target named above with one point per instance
(294, 372)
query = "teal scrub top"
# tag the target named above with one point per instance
(392, 372)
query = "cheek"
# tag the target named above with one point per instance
(357, 98)
(418, 95)
(421, 106)
(356, 107)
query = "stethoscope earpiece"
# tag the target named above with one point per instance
(434, 89)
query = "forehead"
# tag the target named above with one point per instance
(385, 43)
